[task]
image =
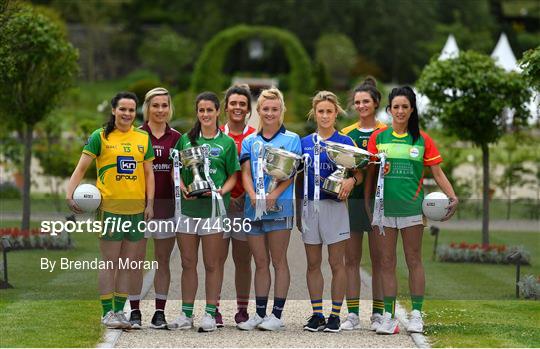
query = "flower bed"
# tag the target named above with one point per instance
(477, 253)
(34, 239)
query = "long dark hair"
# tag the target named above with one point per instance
(242, 90)
(109, 126)
(193, 134)
(369, 85)
(413, 126)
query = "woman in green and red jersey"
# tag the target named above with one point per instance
(366, 100)
(408, 150)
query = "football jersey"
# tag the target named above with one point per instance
(283, 139)
(164, 190)
(326, 165)
(404, 170)
(223, 163)
(120, 172)
(238, 188)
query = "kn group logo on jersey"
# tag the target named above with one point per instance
(125, 166)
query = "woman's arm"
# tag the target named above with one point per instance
(150, 190)
(78, 174)
(247, 181)
(446, 187)
(229, 184)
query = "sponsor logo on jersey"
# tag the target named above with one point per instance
(162, 167)
(125, 166)
(414, 152)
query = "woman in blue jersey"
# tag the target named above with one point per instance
(271, 232)
(323, 218)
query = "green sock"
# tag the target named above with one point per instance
(211, 309)
(106, 302)
(187, 308)
(390, 305)
(417, 302)
(353, 305)
(119, 301)
(378, 307)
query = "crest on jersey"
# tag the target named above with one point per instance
(141, 148)
(215, 151)
(387, 168)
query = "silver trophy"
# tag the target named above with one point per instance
(280, 165)
(193, 158)
(346, 157)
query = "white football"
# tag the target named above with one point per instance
(87, 197)
(434, 205)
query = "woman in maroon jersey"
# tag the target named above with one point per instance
(157, 111)
(238, 108)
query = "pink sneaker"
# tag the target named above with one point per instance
(219, 319)
(241, 316)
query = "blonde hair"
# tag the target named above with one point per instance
(327, 96)
(158, 91)
(273, 94)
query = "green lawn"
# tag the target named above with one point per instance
(474, 305)
(62, 307)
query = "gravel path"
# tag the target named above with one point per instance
(297, 309)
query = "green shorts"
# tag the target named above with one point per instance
(115, 227)
(358, 218)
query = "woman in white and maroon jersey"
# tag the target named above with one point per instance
(238, 108)
(158, 111)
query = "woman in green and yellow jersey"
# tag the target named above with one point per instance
(366, 100)
(408, 150)
(124, 157)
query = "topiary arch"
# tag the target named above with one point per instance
(208, 74)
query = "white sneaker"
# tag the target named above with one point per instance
(181, 323)
(121, 317)
(388, 325)
(208, 323)
(251, 324)
(416, 325)
(271, 323)
(352, 322)
(376, 321)
(111, 321)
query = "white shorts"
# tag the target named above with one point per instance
(329, 225)
(160, 229)
(403, 222)
(199, 226)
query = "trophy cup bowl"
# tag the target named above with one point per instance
(345, 157)
(280, 165)
(193, 158)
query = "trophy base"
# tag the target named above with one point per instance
(198, 188)
(332, 185)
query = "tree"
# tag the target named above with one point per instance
(469, 95)
(167, 53)
(38, 64)
(336, 52)
(530, 63)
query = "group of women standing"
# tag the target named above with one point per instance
(234, 171)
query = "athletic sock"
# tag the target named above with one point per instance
(187, 308)
(242, 302)
(390, 305)
(417, 302)
(161, 301)
(277, 309)
(211, 309)
(106, 302)
(119, 301)
(134, 301)
(260, 304)
(353, 305)
(378, 307)
(336, 308)
(317, 306)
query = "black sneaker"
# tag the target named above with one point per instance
(315, 323)
(158, 320)
(135, 319)
(333, 324)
